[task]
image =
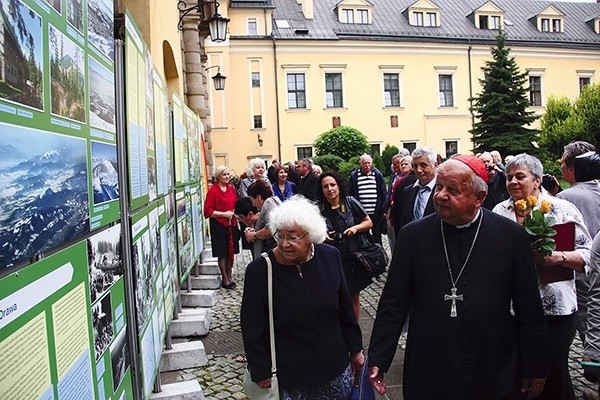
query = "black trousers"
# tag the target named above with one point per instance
(376, 229)
(561, 332)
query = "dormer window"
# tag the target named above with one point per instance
(488, 16)
(423, 13)
(354, 12)
(550, 20)
(594, 23)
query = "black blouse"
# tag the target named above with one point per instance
(315, 327)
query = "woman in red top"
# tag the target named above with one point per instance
(224, 232)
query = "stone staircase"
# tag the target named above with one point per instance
(187, 330)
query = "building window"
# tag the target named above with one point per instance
(556, 25)
(431, 19)
(258, 122)
(391, 90)
(304, 152)
(410, 146)
(483, 22)
(495, 22)
(583, 82)
(446, 95)
(333, 90)
(545, 25)
(348, 16)
(418, 18)
(252, 27)
(451, 148)
(362, 16)
(256, 79)
(535, 91)
(375, 149)
(296, 91)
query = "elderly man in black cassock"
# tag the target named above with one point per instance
(458, 271)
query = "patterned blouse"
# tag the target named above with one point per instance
(558, 298)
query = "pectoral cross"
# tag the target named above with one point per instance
(453, 297)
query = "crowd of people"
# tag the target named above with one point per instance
(487, 315)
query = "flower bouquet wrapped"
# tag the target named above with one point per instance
(537, 224)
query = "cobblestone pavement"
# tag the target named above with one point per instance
(222, 377)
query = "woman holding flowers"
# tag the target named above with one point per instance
(534, 208)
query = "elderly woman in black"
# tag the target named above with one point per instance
(317, 338)
(345, 218)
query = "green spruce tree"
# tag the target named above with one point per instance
(501, 107)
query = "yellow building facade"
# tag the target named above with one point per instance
(400, 72)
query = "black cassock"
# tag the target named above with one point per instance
(482, 352)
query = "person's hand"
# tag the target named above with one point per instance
(357, 361)
(552, 260)
(591, 369)
(376, 379)
(250, 234)
(264, 384)
(351, 231)
(533, 387)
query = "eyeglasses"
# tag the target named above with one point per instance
(280, 237)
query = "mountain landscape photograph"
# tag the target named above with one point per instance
(102, 96)
(105, 176)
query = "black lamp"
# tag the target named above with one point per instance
(218, 79)
(217, 24)
(260, 141)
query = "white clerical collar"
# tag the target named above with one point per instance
(469, 223)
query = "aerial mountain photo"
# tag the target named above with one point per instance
(105, 177)
(43, 191)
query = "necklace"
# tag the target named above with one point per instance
(453, 296)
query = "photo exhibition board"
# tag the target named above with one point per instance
(49, 332)
(57, 124)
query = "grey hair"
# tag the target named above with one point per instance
(219, 171)
(407, 157)
(403, 152)
(299, 212)
(396, 157)
(425, 151)
(533, 164)
(575, 149)
(256, 161)
(308, 162)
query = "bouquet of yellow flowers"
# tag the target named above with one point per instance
(537, 224)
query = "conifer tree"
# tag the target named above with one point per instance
(502, 118)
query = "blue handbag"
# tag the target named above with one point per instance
(362, 389)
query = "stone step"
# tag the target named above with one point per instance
(191, 322)
(198, 298)
(186, 390)
(207, 252)
(206, 281)
(183, 355)
(209, 268)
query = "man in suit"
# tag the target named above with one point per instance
(417, 199)
(293, 175)
(309, 182)
(271, 171)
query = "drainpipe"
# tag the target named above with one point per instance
(278, 124)
(470, 86)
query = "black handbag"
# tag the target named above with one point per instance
(370, 261)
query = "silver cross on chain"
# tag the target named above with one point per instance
(453, 297)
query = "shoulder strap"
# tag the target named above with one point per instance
(271, 323)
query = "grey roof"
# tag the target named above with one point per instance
(251, 4)
(389, 23)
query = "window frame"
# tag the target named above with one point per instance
(444, 93)
(409, 145)
(296, 91)
(255, 82)
(303, 152)
(249, 22)
(348, 12)
(418, 18)
(535, 91)
(362, 16)
(556, 25)
(545, 25)
(583, 84)
(257, 122)
(450, 142)
(495, 22)
(428, 21)
(334, 90)
(390, 90)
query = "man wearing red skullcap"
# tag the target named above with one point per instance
(459, 270)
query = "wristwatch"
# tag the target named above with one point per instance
(564, 258)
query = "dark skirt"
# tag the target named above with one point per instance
(219, 237)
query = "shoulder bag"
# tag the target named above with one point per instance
(370, 259)
(253, 391)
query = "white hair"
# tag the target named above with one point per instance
(299, 212)
(256, 161)
(425, 151)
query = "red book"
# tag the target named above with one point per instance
(565, 241)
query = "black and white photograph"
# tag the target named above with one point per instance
(170, 206)
(21, 71)
(103, 326)
(43, 191)
(193, 148)
(154, 229)
(119, 357)
(152, 178)
(172, 243)
(148, 273)
(67, 76)
(56, 4)
(139, 276)
(75, 13)
(105, 265)
(102, 96)
(150, 127)
(105, 177)
(101, 26)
